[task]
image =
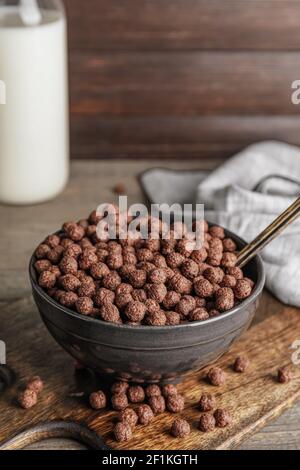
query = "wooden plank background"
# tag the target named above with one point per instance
(181, 78)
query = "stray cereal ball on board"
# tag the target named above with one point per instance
(180, 428)
(27, 398)
(152, 390)
(119, 401)
(169, 390)
(284, 375)
(97, 400)
(136, 394)
(35, 383)
(84, 305)
(145, 414)
(175, 403)
(157, 404)
(119, 387)
(122, 431)
(222, 418)
(206, 423)
(216, 376)
(242, 289)
(129, 416)
(207, 402)
(241, 364)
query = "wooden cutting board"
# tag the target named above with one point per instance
(252, 398)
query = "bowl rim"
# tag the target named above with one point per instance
(142, 328)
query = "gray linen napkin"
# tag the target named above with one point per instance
(245, 194)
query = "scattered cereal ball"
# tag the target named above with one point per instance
(156, 292)
(27, 398)
(190, 269)
(136, 394)
(242, 289)
(36, 384)
(235, 272)
(207, 402)
(152, 390)
(157, 276)
(139, 295)
(119, 387)
(84, 305)
(199, 314)
(122, 431)
(284, 375)
(47, 280)
(228, 260)
(145, 414)
(228, 281)
(186, 305)
(174, 260)
(158, 404)
(68, 265)
(137, 278)
(222, 418)
(97, 400)
(206, 422)
(156, 318)
(87, 287)
(172, 318)
(175, 403)
(169, 390)
(99, 270)
(180, 428)
(216, 376)
(199, 256)
(75, 232)
(135, 311)
(103, 295)
(203, 288)
(171, 299)
(69, 282)
(42, 265)
(73, 251)
(119, 401)
(241, 364)
(216, 231)
(67, 299)
(224, 299)
(229, 245)
(128, 416)
(111, 281)
(109, 313)
(152, 306)
(214, 275)
(122, 300)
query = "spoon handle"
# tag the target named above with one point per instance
(269, 233)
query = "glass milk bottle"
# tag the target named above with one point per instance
(34, 128)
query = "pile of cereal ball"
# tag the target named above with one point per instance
(138, 281)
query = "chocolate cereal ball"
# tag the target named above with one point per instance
(157, 276)
(224, 299)
(242, 289)
(73, 251)
(84, 305)
(180, 284)
(87, 287)
(47, 280)
(145, 414)
(199, 314)
(175, 403)
(235, 272)
(68, 265)
(216, 376)
(122, 431)
(99, 270)
(42, 251)
(152, 390)
(222, 418)
(119, 387)
(169, 390)
(180, 428)
(97, 400)
(27, 398)
(135, 311)
(139, 295)
(119, 401)
(206, 423)
(136, 394)
(156, 318)
(121, 300)
(190, 269)
(111, 281)
(103, 295)
(67, 299)
(229, 245)
(109, 313)
(216, 231)
(42, 265)
(69, 282)
(228, 260)
(214, 275)
(137, 278)
(157, 404)
(171, 299)
(241, 364)
(228, 281)
(203, 288)
(172, 318)
(186, 305)
(284, 375)
(207, 402)
(199, 256)
(128, 416)
(36, 384)
(156, 292)
(151, 306)
(87, 259)
(54, 255)
(124, 288)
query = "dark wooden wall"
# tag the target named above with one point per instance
(181, 78)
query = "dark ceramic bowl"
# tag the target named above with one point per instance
(144, 353)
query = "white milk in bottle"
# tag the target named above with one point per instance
(34, 128)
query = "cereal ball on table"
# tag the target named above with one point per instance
(122, 431)
(175, 403)
(241, 364)
(98, 400)
(157, 404)
(206, 423)
(136, 394)
(119, 387)
(152, 390)
(36, 384)
(27, 398)
(207, 402)
(216, 376)
(145, 414)
(119, 401)
(222, 418)
(169, 390)
(180, 428)
(129, 416)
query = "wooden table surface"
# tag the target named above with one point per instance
(92, 182)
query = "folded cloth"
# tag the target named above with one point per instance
(245, 194)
